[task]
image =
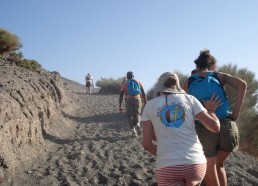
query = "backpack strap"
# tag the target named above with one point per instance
(215, 75)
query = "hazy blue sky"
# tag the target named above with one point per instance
(110, 37)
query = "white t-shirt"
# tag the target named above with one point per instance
(88, 78)
(177, 140)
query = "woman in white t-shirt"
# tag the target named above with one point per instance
(169, 132)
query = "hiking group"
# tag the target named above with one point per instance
(191, 130)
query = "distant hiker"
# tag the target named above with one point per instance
(217, 146)
(89, 82)
(134, 95)
(169, 132)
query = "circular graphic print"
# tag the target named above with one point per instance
(172, 116)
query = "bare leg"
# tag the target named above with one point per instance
(221, 157)
(211, 176)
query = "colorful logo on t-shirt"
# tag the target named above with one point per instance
(172, 116)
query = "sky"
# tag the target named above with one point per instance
(107, 38)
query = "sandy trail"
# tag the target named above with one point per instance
(93, 145)
(99, 148)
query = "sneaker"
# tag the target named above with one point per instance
(138, 129)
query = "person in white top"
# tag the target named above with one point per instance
(89, 82)
(169, 132)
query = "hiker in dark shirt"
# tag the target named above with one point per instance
(218, 146)
(133, 103)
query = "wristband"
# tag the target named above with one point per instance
(212, 111)
(230, 117)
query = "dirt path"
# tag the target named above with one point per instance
(92, 145)
(100, 149)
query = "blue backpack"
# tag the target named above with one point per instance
(203, 87)
(133, 87)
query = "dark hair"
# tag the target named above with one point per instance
(194, 71)
(170, 82)
(205, 60)
(129, 75)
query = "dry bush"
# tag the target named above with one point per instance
(8, 42)
(110, 85)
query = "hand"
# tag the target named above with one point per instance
(232, 117)
(213, 103)
(121, 109)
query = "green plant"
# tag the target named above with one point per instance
(247, 122)
(28, 64)
(8, 42)
(14, 56)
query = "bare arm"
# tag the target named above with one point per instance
(92, 82)
(121, 100)
(209, 120)
(148, 135)
(143, 95)
(240, 86)
(185, 86)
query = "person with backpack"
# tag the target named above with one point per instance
(169, 132)
(134, 95)
(89, 82)
(217, 146)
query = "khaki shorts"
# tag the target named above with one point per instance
(226, 140)
(133, 111)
